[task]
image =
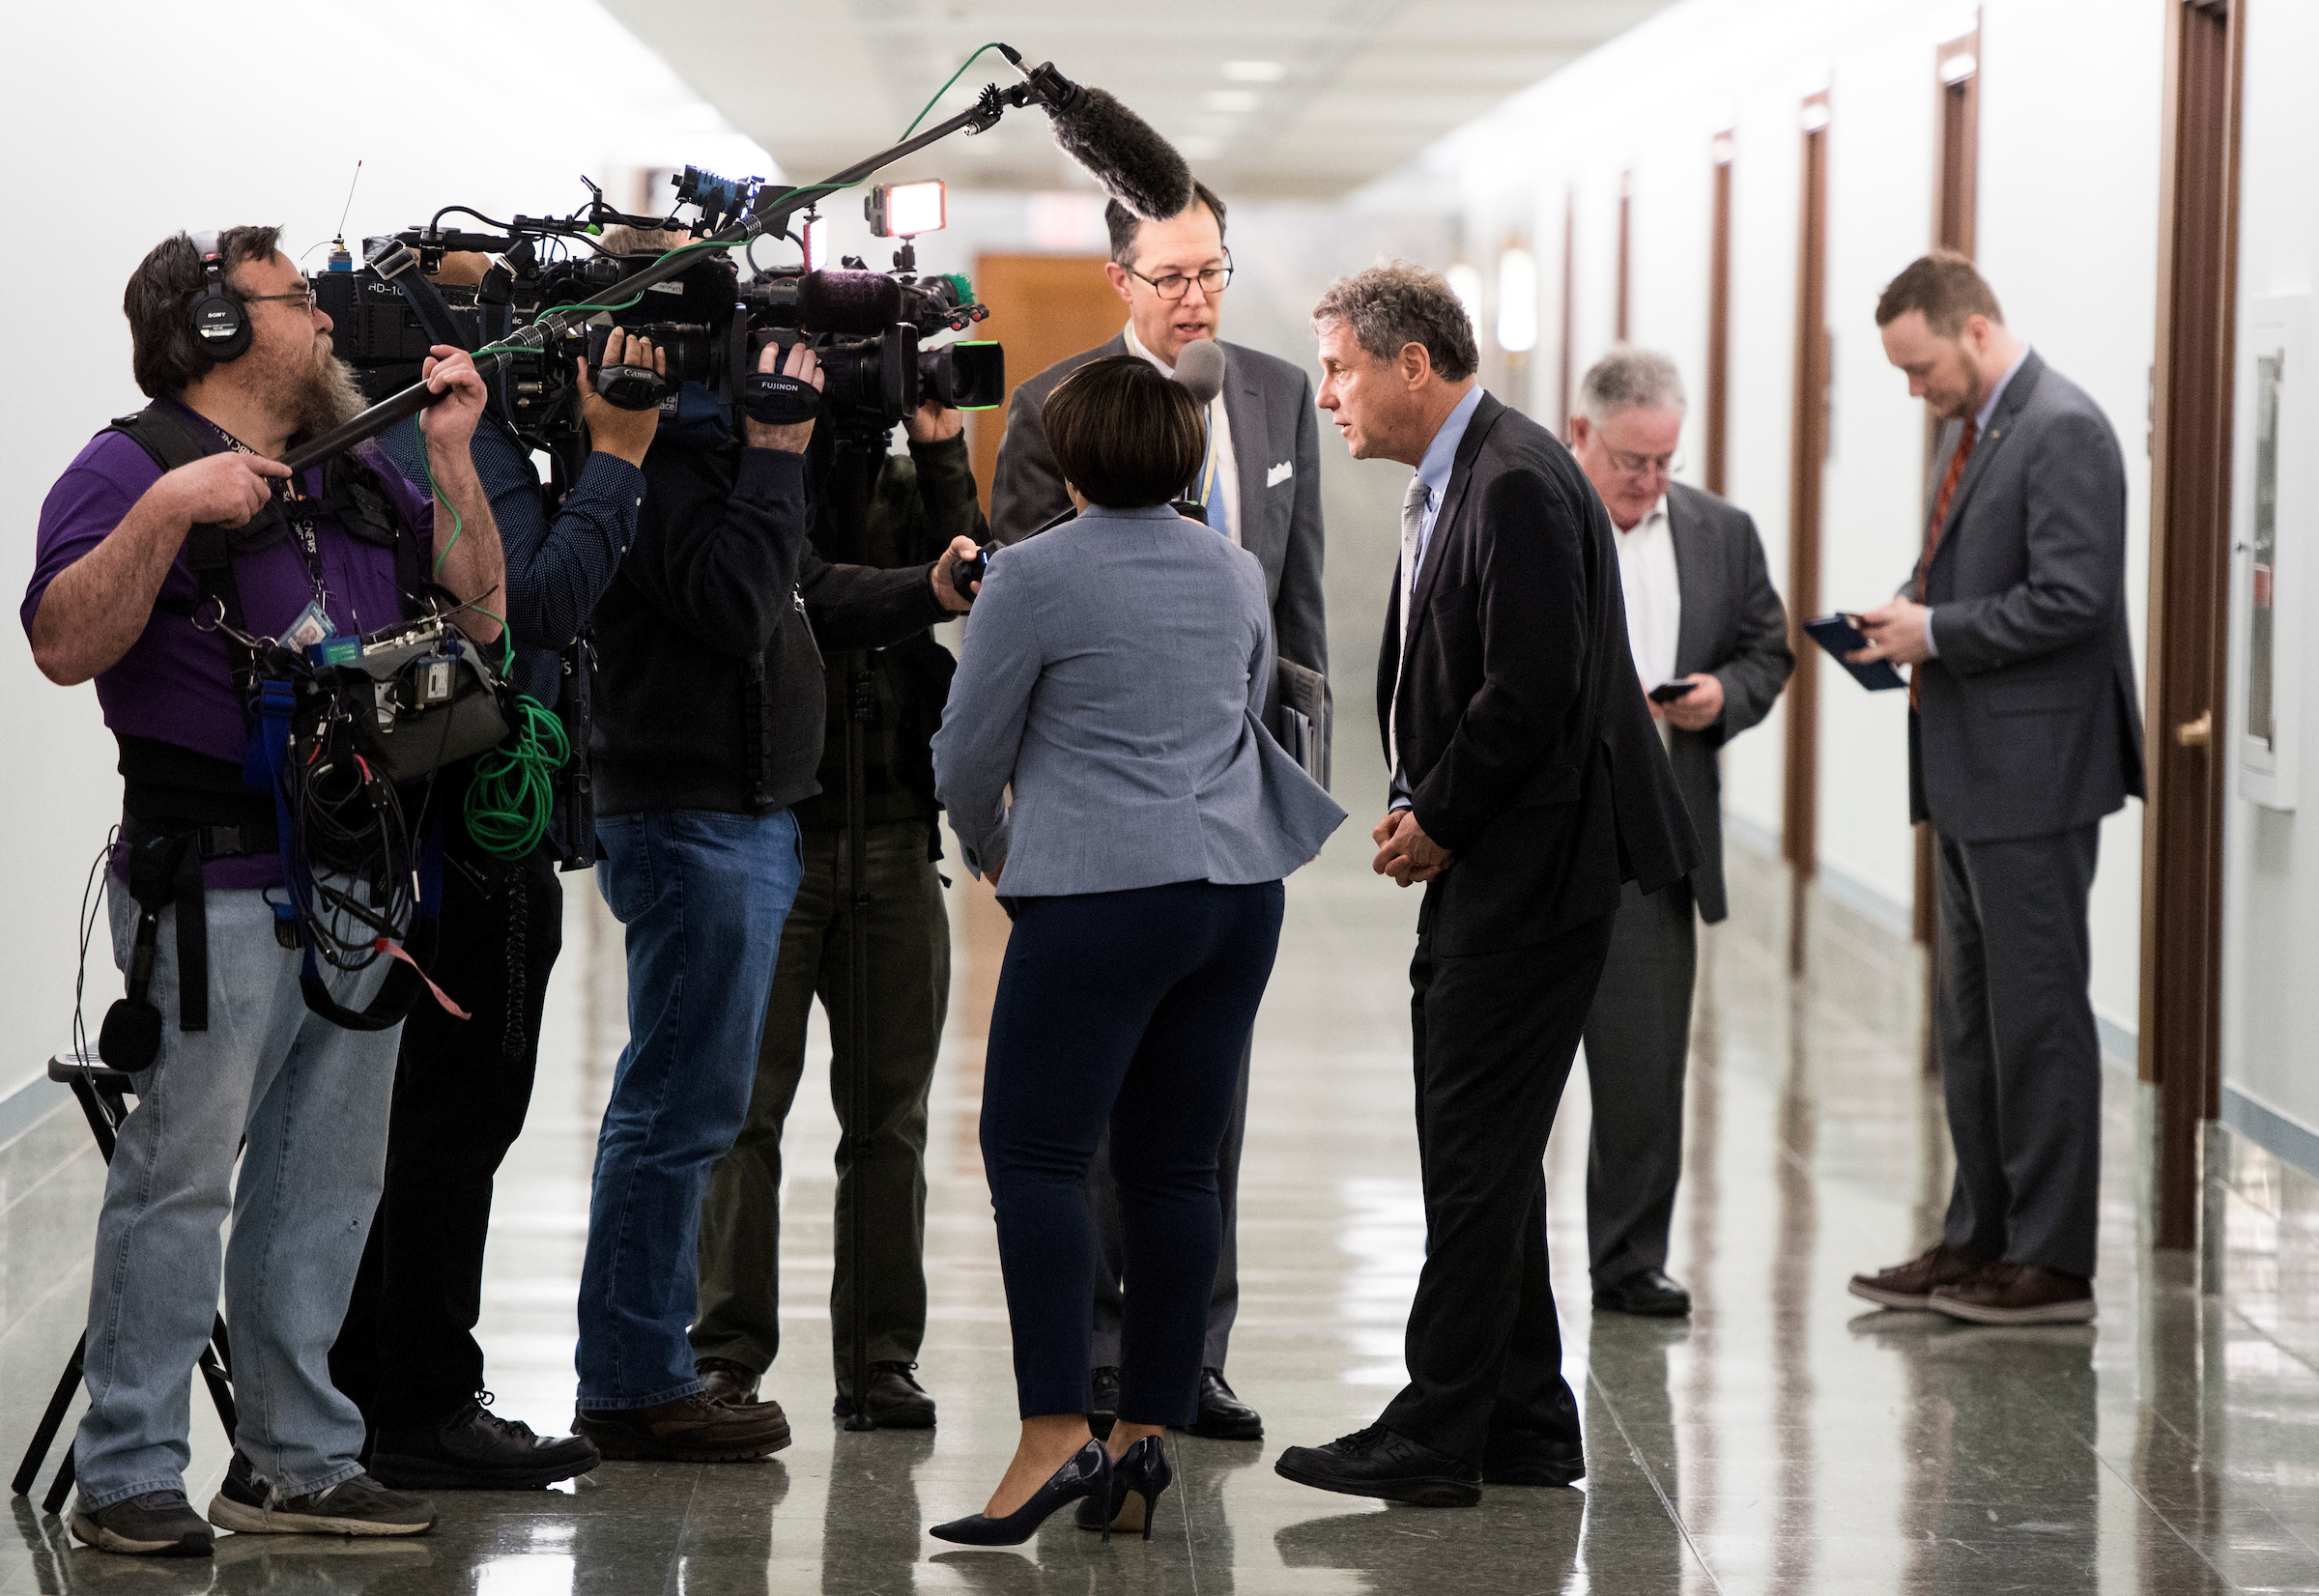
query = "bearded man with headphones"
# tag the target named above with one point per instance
(174, 529)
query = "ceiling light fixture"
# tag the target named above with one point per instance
(1230, 101)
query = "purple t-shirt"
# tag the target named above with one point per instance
(175, 683)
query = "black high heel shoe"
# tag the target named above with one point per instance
(1087, 1475)
(1137, 1478)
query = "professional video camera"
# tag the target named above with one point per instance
(869, 327)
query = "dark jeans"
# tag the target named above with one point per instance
(2020, 1060)
(1495, 1036)
(1129, 1008)
(407, 1351)
(909, 990)
(703, 894)
(1638, 1042)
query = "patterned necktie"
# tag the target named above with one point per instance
(1413, 527)
(1941, 499)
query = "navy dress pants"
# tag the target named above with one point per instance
(1126, 1010)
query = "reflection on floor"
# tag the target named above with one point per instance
(1781, 1441)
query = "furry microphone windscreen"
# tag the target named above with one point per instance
(1200, 370)
(1135, 164)
(853, 303)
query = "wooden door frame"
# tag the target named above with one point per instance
(1626, 192)
(1719, 317)
(2192, 387)
(1799, 828)
(1567, 370)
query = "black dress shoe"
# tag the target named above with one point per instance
(722, 1380)
(1103, 1400)
(1648, 1293)
(1377, 1463)
(477, 1450)
(1222, 1415)
(1552, 1464)
(897, 1402)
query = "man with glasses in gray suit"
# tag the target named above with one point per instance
(1709, 638)
(1260, 485)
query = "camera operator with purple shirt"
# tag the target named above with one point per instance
(237, 362)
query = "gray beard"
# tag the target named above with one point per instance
(329, 398)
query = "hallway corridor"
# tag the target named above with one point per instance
(1781, 1441)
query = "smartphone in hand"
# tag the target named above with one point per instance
(1669, 692)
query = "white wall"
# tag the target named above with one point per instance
(237, 113)
(2067, 235)
(2270, 936)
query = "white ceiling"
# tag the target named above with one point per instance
(1361, 85)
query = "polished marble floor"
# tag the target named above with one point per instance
(1780, 1440)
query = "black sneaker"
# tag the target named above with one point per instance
(897, 1402)
(475, 1451)
(1375, 1462)
(159, 1523)
(360, 1506)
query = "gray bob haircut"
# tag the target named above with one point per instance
(1394, 304)
(1628, 378)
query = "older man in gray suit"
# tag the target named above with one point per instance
(2023, 732)
(1261, 488)
(1710, 639)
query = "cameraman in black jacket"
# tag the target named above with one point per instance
(709, 727)
(883, 509)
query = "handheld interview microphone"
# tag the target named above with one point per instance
(1200, 370)
(1117, 147)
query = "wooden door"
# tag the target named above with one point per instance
(1569, 309)
(2190, 595)
(1956, 204)
(1719, 317)
(1044, 308)
(1627, 198)
(1799, 831)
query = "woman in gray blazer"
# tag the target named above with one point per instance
(1114, 681)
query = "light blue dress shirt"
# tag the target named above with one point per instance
(1433, 470)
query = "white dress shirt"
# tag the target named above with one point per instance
(1223, 492)
(1654, 595)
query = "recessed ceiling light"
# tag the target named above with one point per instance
(1229, 100)
(1254, 72)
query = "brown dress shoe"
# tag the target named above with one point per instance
(1911, 1285)
(2019, 1293)
(724, 1380)
(693, 1429)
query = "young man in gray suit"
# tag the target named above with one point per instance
(1261, 484)
(1701, 617)
(2023, 732)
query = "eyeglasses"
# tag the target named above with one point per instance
(304, 297)
(1213, 280)
(1643, 464)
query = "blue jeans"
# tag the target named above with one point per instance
(703, 894)
(312, 1101)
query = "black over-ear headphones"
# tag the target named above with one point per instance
(219, 322)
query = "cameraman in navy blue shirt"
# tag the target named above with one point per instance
(407, 1353)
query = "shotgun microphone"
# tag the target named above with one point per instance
(1117, 147)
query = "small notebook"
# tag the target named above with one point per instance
(1840, 637)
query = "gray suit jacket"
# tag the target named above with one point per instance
(2029, 722)
(1276, 441)
(1734, 628)
(1112, 678)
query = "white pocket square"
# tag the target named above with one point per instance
(1275, 475)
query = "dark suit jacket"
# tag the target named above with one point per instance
(1529, 748)
(2028, 719)
(1276, 443)
(1733, 627)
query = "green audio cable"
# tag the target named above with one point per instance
(511, 794)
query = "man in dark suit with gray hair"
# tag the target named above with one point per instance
(1260, 488)
(2023, 732)
(1709, 638)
